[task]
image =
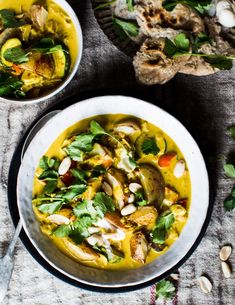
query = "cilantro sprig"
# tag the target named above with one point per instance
(201, 6)
(10, 85)
(163, 224)
(130, 5)
(9, 20)
(87, 213)
(149, 146)
(124, 28)
(165, 289)
(181, 46)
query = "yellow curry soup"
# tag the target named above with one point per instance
(112, 192)
(38, 47)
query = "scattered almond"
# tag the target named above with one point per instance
(226, 270)
(225, 252)
(131, 198)
(205, 284)
(175, 276)
(58, 219)
(107, 188)
(135, 187)
(128, 209)
(179, 169)
(64, 166)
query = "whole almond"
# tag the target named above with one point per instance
(205, 284)
(226, 270)
(107, 188)
(225, 252)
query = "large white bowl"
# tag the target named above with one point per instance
(199, 180)
(78, 44)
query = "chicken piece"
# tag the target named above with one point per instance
(81, 252)
(115, 219)
(152, 66)
(139, 247)
(38, 15)
(171, 196)
(117, 187)
(157, 22)
(92, 189)
(144, 216)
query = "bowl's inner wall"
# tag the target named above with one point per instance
(158, 117)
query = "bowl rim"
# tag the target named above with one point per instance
(203, 225)
(70, 11)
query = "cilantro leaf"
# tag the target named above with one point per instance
(63, 231)
(221, 62)
(50, 208)
(229, 203)
(49, 173)
(179, 46)
(124, 28)
(149, 146)
(229, 170)
(96, 129)
(182, 42)
(165, 289)
(199, 40)
(84, 142)
(75, 153)
(98, 170)
(164, 223)
(130, 5)
(74, 191)
(79, 174)
(43, 163)
(105, 202)
(231, 129)
(201, 6)
(50, 186)
(16, 55)
(85, 208)
(104, 5)
(8, 19)
(46, 46)
(9, 85)
(140, 199)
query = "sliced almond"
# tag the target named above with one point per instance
(117, 236)
(225, 252)
(226, 270)
(179, 169)
(205, 284)
(128, 209)
(64, 166)
(95, 240)
(58, 219)
(135, 187)
(107, 188)
(175, 276)
(93, 230)
(131, 198)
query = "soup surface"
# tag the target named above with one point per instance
(112, 192)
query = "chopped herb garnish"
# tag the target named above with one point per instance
(149, 146)
(9, 85)
(231, 129)
(50, 208)
(229, 170)
(165, 289)
(130, 5)
(16, 55)
(201, 6)
(124, 28)
(164, 223)
(9, 20)
(104, 5)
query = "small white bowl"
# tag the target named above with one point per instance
(78, 45)
(188, 238)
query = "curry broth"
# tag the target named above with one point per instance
(182, 185)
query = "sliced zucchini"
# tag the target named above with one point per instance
(9, 44)
(60, 64)
(161, 143)
(31, 80)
